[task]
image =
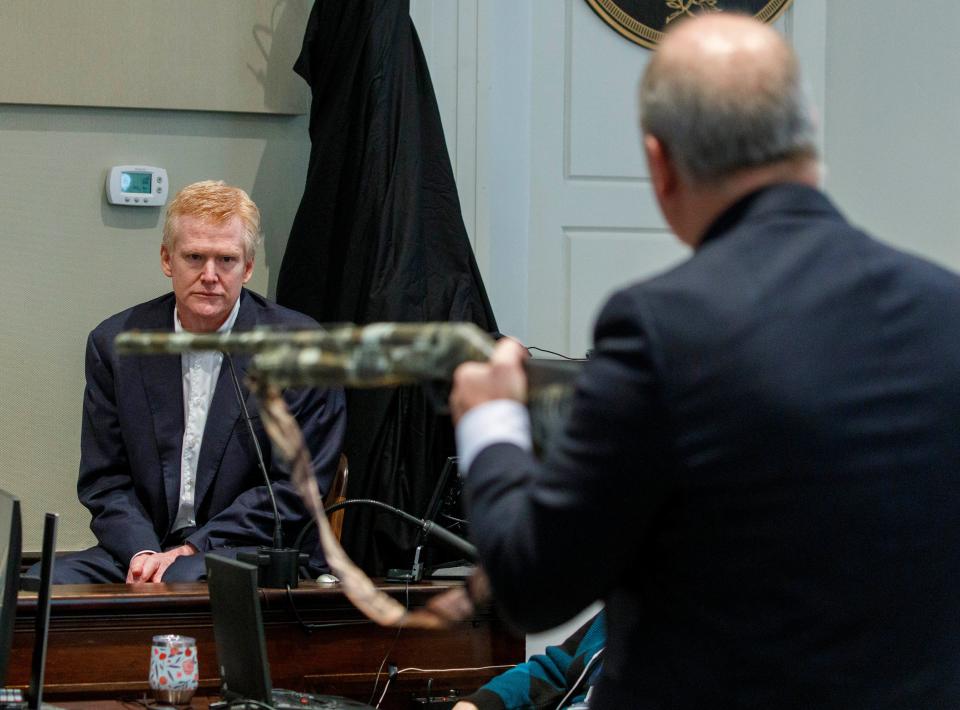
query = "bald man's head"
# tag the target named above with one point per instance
(723, 93)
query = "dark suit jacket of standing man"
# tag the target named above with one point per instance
(132, 435)
(759, 476)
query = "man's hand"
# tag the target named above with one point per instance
(150, 566)
(501, 378)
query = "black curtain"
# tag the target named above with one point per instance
(379, 237)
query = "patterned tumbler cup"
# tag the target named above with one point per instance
(173, 669)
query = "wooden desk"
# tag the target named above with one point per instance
(100, 636)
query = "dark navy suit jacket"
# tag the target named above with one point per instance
(132, 434)
(759, 476)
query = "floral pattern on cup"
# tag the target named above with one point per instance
(173, 663)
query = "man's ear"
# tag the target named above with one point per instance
(663, 174)
(247, 270)
(165, 261)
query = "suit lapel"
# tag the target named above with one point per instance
(163, 383)
(224, 408)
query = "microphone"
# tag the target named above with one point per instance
(432, 529)
(277, 566)
(428, 527)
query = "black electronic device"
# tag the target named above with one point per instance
(241, 648)
(42, 619)
(11, 541)
(444, 514)
(446, 499)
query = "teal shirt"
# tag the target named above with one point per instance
(544, 679)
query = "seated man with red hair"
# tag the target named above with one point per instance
(168, 468)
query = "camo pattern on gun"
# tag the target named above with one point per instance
(376, 355)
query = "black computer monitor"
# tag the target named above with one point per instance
(42, 619)
(238, 630)
(446, 510)
(11, 541)
(242, 648)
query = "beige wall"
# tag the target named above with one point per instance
(892, 113)
(214, 55)
(70, 259)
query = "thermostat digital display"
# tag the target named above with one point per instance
(136, 182)
(137, 186)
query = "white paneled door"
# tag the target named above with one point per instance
(594, 223)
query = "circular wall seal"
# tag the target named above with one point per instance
(645, 21)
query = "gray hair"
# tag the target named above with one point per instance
(713, 125)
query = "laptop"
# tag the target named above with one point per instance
(241, 648)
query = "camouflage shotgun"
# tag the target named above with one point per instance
(377, 355)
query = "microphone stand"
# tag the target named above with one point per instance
(277, 566)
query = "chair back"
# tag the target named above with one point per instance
(338, 494)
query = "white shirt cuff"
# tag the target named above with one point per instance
(500, 421)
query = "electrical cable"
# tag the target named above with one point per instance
(311, 627)
(296, 614)
(386, 687)
(376, 681)
(583, 674)
(504, 666)
(551, 352)
(438, 670)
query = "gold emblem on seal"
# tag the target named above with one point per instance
(644, 21)
(684, 8)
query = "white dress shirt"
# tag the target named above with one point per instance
(200, 373)
(500, 421)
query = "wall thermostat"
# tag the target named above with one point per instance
(137, 186)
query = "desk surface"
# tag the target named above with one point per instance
(100, 637)
(147, 597)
